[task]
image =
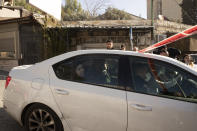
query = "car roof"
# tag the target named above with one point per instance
(118, 52)
(64, 56)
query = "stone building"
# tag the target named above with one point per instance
(182, 11)
(20, 42)
(94, 34)
(25, 41)
(28, 38)
(168, 8)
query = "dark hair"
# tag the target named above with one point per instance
(173, 52)
(122, 46)
(191, 58)
(109, 41)
(185, 55)
(159, 50)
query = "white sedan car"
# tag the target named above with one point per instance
(103, 90)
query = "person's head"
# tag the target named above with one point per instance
(109, 44)
(187, 59)
(163, 50)
(122, 47)
(142, 72)
(174, 53)
(135, 48)
(80, 70)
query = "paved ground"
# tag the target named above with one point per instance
(6, 122)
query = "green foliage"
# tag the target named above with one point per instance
(56, 42)
(115, 14)
(73, 11)
(20, 2)
(72, 6)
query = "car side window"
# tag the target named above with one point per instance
(91, 69)
(64, 69)
(143, 78)
(178, 83)
(155, 77)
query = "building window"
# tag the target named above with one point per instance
(7, 54)
(7, 45)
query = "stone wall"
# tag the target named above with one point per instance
(106, 23)
(7, 65)
(96, 38)
(163, 27)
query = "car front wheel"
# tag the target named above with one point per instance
(41, 118)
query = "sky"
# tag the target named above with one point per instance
(135, 7)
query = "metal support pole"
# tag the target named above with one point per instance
(152, 22)
(152, 15)
(131, 37)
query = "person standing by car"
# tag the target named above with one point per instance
(135, 48)
(163, 51)
(109, 45)
(123, 47)
(174, 53)
(187, 59)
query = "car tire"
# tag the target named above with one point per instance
(39, 117)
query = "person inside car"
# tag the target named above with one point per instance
(144, 80)
(79, 73)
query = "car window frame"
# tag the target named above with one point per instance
(180, 70)
(146, 59)
(73, 59)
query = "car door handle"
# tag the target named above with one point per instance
(141, 107)
(62, 91)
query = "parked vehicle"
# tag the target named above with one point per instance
(103, 90)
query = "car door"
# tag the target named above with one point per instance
(161, 103)
(88, 92)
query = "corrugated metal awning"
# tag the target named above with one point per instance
(102, 27)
